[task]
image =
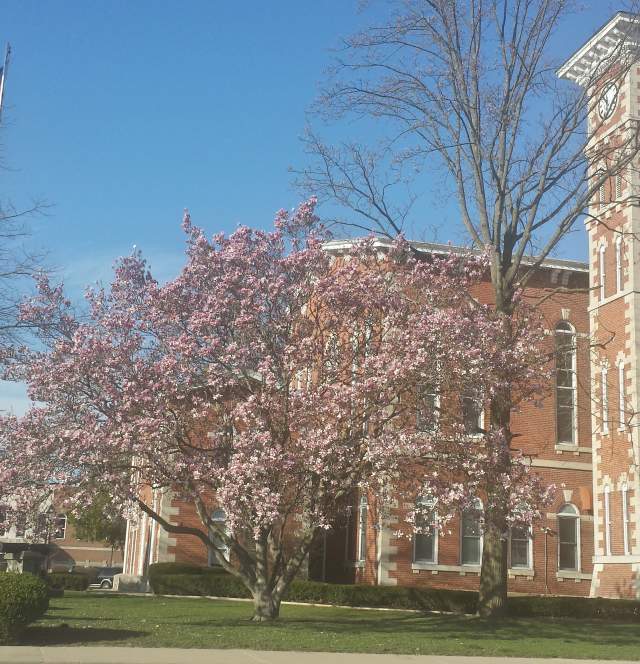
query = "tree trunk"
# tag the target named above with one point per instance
(492, 598)
(265, 606)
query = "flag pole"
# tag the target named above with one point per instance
(3, 76)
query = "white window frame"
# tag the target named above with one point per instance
(607, 520)
(480, 420)
(529, 564)
(363, 517)
(601, 269)
(618, 187)
(604, 398)
(64, 527)
(626, 519)
(575, 514)
(434, 559)
(565, 328)
(421, 396)
(619, 263)
(218, 516)
(621, 399)
(478, 509)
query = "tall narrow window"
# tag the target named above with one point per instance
(565, 383)
(607, 520)
(604, 400)
(424, 542)
(626, 522)
(426, 408)
(621, 406)
(618, 187)
(472, 414)
(60, 527)
(471, 539)
(568, 538)
(619, 275)
(219, 519)
(601, 187)
(601, 269)
(363, 511)
(519, 549)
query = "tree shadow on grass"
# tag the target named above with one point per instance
(444, 628)
(61, 635)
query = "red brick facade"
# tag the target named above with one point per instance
(589, 540)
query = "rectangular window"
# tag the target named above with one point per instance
(621, 409)
(601, 267)
(362, 530)
(472, 415)
(519, 547)
(426, 408)
(604, 396)
(565, 384)
(60, 527)
(471, 538)
(424, 543)
(607, 520)
(619, 275)
(626, 522)
(568, 542)
(618, 187)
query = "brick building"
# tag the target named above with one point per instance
(584, 438)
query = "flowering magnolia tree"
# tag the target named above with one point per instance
(274, 379)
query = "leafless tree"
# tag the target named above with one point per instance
(470, 87)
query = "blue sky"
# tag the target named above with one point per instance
(120, 114)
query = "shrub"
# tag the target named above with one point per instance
(68, 580)
(23, 599)
(211, 583)
(585, 608)
(215, 582)
(157, 569)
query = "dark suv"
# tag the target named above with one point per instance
(105, 576)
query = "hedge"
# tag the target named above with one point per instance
(214, 582)
(68, 580)
(23, 599)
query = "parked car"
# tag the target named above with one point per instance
(105, 576)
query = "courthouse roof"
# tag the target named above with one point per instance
(336, 246)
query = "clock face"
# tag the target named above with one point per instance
(608, 100)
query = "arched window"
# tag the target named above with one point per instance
(363, 511)
(219, 519)
(619, 275)
(565, 340)
(471, 534)
(568, 538)
(626, 521)
(604, 398)
(425, 542)
(607, 520)
(601, 269)
(60, 526)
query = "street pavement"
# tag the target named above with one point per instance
(97, 655)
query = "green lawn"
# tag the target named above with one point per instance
(108, 619)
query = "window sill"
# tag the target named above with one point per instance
(576, 576)
(435, 568)
(521, 571)
(355, 565)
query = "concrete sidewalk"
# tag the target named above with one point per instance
(81, 655)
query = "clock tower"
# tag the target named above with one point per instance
(607, 68)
